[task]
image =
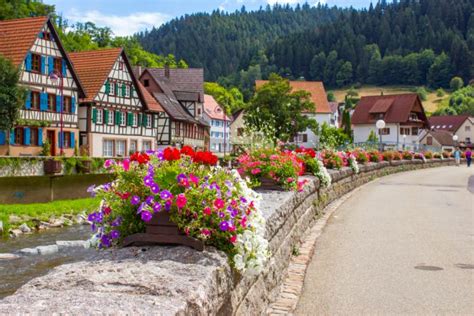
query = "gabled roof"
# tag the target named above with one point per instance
(334, 106)
(151, 103)
(93, 67)
(396, 108)
(445, 138)
(17, 36)
(186, 84)
(213, 109)
(236, 114)
(448, 123)
(174, 108)
(316, 88)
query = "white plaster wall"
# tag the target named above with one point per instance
(97, 141)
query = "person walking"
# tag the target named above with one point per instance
(457, 156)
(468, 157)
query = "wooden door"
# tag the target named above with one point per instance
(52, 141)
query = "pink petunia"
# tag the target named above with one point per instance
(256, 171)
(126, 164)
(207, 211)
(181, 200)
(219, 204)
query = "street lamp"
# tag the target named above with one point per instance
(380, 124)
(455, 140)
(56, 76)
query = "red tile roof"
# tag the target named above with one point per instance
(18, 36)
(396, 108)
(316, 88)
(151, 103)
(445, 138)
(213, 109)
(448, 123)
(93, 68)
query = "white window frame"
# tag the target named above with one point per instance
(106, 152)
(135, 120)
(111, 118)
(135, 142)
(118, 147)
(144, 145)
(123, 121)
(100, 116)
(112, 87)
(148, 121)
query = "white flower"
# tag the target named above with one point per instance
(353, 164)
(323, 174)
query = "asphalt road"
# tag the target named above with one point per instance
(403, 244)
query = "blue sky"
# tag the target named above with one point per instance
(126, 17)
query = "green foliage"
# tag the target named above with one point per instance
(12, 9)
(331, 97)
(372, 137)
(231, 100)
(277, 106)
(12, 96)
(461, 102)
(32, 123)
(440, 72)
(422, 93)
(440, 93)
(331, 137)
(46, 149)
(456, 83)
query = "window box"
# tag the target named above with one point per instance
(52, 166)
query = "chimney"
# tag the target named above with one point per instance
(167, 71)
(139, 71)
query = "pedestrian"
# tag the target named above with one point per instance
(468, 157)
(457, 156)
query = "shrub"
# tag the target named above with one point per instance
(456, 83)
(361, 156)
(428, 155)
(440, 93)
(406, 155)
(446, 154)
(437, 156)
(375, 156)
(331, 159)
(397, 155)
(388, 155)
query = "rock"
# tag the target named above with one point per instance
(15, 232)
(8, 256)
(62, 244)
(68, 222)
(54, 222)
(24, 228)
(80, 219)
(29, 251)
(13, 219)
(47, 250)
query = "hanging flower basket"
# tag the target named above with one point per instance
(84, 166)
(269, 184)
(52, 166)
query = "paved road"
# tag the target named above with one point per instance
(403, 244)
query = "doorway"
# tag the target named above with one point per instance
(51, 134)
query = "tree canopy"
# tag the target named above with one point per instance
(231, 100)
(12, 96)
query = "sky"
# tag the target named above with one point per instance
(126, 17)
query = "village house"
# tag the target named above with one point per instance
(437, 140)
(214, 115)
(237, 129)
(48, 120)
(180, 92)
(117, 117)
(321, 114)
(460, 125)
(403, 115)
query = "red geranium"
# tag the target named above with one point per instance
(188, 151)
(171, 154)
(141, 158)
(205, 158)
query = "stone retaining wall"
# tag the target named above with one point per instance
(181, 281)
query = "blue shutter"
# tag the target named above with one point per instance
(28, 100)
(2, 137)
(40, 35)
(73, 145)
(40, 136)
(12, 137)
(64, 68)
(26, 136)
(43, 65)
(28, 62)
(50, 64)
(73, 105)
(43, 101)
(58, 103)
(60, 139)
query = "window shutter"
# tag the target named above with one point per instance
(73, 105)
(94, 115)
(26, 136)
(107, 87)
(73, 144)
(117, 117)
(124, 90)
(2, 137)
(132, 91)
(41, 35)
(28, 100)
(28, 62)
(50, 64)
(116, 89)
(139, 123)
(64, 68)
(43, 101)
(153, 123)
(145, 120)
(129, 119)
(43, 65)
(40, 137)
(12, 137)
(106, 116)
(58, 103)
(60, 139)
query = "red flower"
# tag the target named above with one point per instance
(233, 239)
(188, 151)
(310, 152)
(171, 154)
(140, 158)
(205, 158)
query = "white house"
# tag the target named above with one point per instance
(403, 115)
(460, 125)
(321, 114)
(220, 133)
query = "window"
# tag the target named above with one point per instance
(120, 64)
(146, 145)
(467, 128)
(429, 140)
(36, 62)
(51, 102)
(199, 111)
(135, 119)
(58, 65)
(127, 90)
(240, 131)
(120, 148)
(133, 146)
(110, 117)
(404, 130)
(149, 121)
(378, 116)
(146, 83)
(112, 88)
(19, 139)
(67, 104)
(384, 131)
(46, 36)
(413, 116)
(108, 148)
(122, 121)
(67, 140)
(35, 100)
(414, 130)
(100, 116)
(468, 140)
(34, 136)
(176, 129)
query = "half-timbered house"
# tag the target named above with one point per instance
(49, 115)
(180, 92)
(117, 117)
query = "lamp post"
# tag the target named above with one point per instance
(56, 76)
(404, 140)
(455, 140)
(380, 124)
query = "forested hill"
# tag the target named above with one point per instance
(223, 43)
(404, 42)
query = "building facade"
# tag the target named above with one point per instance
(460, 125)
(48, 123)
(115, 119)
(220, 132)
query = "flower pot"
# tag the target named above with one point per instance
(269, 184)
(84, 166)
(52, 166)
(162, 231)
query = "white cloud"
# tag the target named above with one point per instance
(120, 25)
(292, 2)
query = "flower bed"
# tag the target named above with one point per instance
(209, 203)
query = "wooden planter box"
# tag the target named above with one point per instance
(52, 166)
(161, 231)
(84, 166)
(269, 184)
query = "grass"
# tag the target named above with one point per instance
(432, 103)
(44, 211)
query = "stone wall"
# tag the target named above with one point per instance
(181, 281)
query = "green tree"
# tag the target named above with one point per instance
(278, 111)
(422, 93)
(12, 96)
(372, 137)
(440, 72)
(456, 83)
(344, 75)
(331, 97)
(332, 137)
(440, 93)
(12, 9)
(231, 100)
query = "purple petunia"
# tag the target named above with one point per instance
(165, 195)
(149, 200)
(243, 200)
(224, 226)
(221, 214)
(148, 180)
(168, 205)
(155, 189)
(117, 222)
(105, 241)
(156, 207)
(146, 216)
(114, 234)
(142, 207)
(91, 190)
(135, 200)
(92, 217)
